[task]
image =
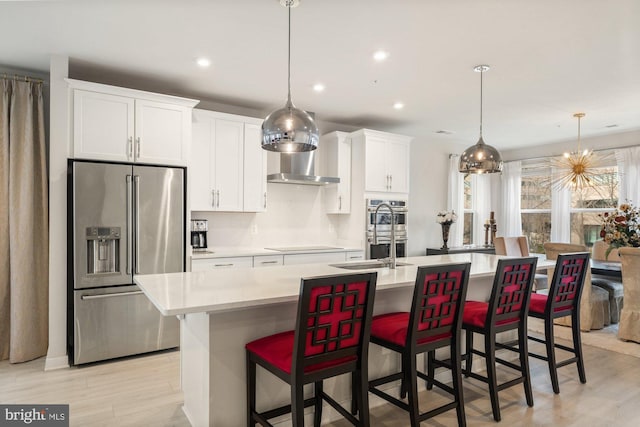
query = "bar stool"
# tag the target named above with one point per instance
(331, 338)
(434, 322)
(506, 310)
(563, 300)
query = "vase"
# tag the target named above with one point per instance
(445, 234)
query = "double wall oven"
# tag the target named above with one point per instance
(382, 223)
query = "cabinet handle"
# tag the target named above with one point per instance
(356, 257)
(137, 147)
(265, 200)
(387, 181)
(213, 198)
(223, 265)
(339, 203)
(390, 181)
(218, 203)
(268, 262)
(130, 150)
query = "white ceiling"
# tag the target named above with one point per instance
(548, 58)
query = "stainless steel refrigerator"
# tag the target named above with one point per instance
(123, 220)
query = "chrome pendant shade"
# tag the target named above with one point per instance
(480, 158)
(289, 129)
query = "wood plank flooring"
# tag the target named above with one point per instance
(144, 391)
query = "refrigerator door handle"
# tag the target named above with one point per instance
(101, 296)
(136, 192)
(129, 231)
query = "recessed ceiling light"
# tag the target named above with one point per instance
(203, 62)
(380, 55)
(318, 87)
(398, 105)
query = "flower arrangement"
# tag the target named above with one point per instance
(621, 227)
(446, 217)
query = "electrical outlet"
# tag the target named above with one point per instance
(254, 229)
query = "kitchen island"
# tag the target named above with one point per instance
(222, 310)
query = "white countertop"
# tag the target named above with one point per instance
(227, 252)
(240, 288)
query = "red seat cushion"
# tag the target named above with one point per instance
(392, 327)
(277, 350)
(475, 314)
(539, 302)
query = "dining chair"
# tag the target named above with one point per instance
(594, 307)
(563, 300)
(434, 322)
(613, 287)
(331, 338)
(506, 310)
(519, 246)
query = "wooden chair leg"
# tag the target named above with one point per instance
(577, 346)
(456, 366)
(297, 404)
(551, 354)
(412, 388)
(317, 416)
(490, 357)
(404, 381)
(251, 391)
(524, 363)
(468, 352)
(431, 369)
(363, 397)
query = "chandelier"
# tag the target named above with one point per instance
(575, 170)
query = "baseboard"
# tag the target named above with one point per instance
(58, 362)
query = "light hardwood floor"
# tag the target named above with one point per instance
(144, 391)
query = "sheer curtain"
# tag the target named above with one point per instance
(511, 197)
(628, 160)
(561, 212)
(482, 204)
(24, 271)
(455, 200)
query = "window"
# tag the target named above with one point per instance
(535, 204)
(467, 236)
(586, 204)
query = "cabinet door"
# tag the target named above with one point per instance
(102, 126)
(228, 167)
(267, 260)
(336, 161)
(376, 175)
(213, 263)
(314, 258)
(200, 180)
(255, 170)
(162, 133)
(398, 166)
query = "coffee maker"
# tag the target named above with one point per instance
(199, 228)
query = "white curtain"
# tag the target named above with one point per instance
(455, 200)
(628, 160)
(510, 202)
(24, 246)
(482, 204)
(560, 212)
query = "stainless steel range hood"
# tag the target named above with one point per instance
(298, 168)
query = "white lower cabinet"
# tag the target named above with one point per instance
(314, 258)
(267, 260)
(212, 263)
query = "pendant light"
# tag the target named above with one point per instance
(480, 158)
(576, 170)
(289, 129)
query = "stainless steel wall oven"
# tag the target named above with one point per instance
(381, 223)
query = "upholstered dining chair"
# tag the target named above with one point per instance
(518, 246)
(613, 287)
(433, 322)
(331, 338)
(629, 328)
(563, 300)
(506, 311)
(594, 304)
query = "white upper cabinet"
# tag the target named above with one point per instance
(227, 165)
(335, 150)
(386, 160)
(126, 125)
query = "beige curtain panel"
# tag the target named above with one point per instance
(24, 246)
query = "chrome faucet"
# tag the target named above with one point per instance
(392, 248)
